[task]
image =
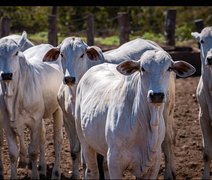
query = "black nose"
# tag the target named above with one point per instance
(69, 80)
(7, 76)
(209, 60)
(156, 97)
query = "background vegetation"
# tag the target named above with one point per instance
(145, 21)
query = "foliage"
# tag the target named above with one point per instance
(145, 21)
(154, 37)
(183, 32)
(29, 18)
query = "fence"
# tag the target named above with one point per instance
(124, 27)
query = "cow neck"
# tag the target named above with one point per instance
(14, 97)
(206, 75)
(154, 126)
(10, 98)
(155, 138)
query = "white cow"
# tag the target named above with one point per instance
(30, 94)
(81, 58)
(23, 151)
(121, 117)
(70, 49)
(204, 95)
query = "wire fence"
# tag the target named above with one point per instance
(124, 29)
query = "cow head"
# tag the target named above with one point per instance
(9, 61)
(155, 68)
(205, 40)
(77, 58)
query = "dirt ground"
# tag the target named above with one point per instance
(189, 164)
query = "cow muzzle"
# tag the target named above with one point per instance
(69, 80)
(209, 60)
(6, 76)
(156, 97)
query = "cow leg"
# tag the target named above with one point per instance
(42, 159)
(33, 148)
(13, 151)
(1, 145)
(167, 147)
(69, 124)
(155, 168)
(57, 125)
(169, 143)
(114, 166)
(207, 143)
(82, 161)
(23, 161)
(89, 157)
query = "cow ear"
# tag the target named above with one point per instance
(23, 39)
(94, 53)
(51, 55)
(183, 69)
(196, 35)
(128, 67)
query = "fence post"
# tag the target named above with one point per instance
(52, 30)
(170, 20)
(199, 23)
(90, 29)
(124, 25)
(5, 26)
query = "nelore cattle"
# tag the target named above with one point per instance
(119, 113)
(23, 152)
(30, 94)
(204, 95)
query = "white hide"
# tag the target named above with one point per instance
(115, 118)
(4, 115)
(204, 95)
(32, 96)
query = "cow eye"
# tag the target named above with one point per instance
(61, 55)
(16, 53)
(82, 56)
(201, 41)
(169, 69)
(142, 69)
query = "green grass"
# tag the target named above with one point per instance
(42, 37)
(159, 38)
(38, 38)
(108, 41)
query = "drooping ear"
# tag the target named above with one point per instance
(183, 69)
(22, 40)
(128, 67)
(51, 55)
(94, 53)
(196, 35)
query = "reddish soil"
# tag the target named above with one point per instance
(189, 164)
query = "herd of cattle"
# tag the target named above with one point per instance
(119, 104)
